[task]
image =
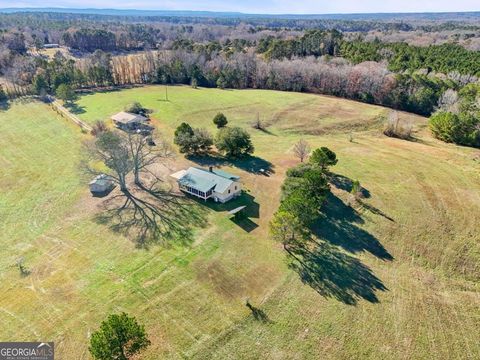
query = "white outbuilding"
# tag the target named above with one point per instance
(129, 121)
(101, 185)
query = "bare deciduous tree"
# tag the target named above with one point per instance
(257, 123)
(301, 149)
(113, 151)
(449, 101)
(125, 153)
(146, 151)
(395, 127)
(146, 209)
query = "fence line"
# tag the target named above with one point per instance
(60, 109)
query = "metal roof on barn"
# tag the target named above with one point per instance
(125, 118)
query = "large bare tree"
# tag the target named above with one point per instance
(113, 151)
(145, 152)
(146, 208)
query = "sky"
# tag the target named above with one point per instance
(263, 6)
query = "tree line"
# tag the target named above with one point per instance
(369, 82)
(443, 58)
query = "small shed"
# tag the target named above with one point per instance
(101, 185)
(129, 121)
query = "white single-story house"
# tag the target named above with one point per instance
(129, 121)
(212, 183)
(101, 185)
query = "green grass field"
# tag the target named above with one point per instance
(398, 278)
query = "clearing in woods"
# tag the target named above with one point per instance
(397, 277)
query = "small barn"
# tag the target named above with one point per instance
(129, 122)
(101, 185)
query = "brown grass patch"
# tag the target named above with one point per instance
(215, 274)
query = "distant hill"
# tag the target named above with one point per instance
(445, 16)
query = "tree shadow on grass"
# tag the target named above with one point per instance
(151, 217)
(258, 314)
(335, 274)
(4, 105)
(339, 226)
(265, 130)
(74, 108)
(243, 220)
(374, 210)
(249, 163)
(346, 184)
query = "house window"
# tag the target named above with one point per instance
(229, 191)
(235, 188)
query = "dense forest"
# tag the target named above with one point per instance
(310, 55)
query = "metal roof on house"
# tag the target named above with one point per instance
(225, 174)
(205, 180)
(125, 117)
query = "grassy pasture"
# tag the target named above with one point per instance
(399, 276)
(289, 111)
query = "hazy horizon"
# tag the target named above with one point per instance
(255, 7)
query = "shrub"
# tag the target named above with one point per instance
(221, 82)
(299, 170)
(183, 128)
(463, 129)
(98, 127)
(192, 141)
(397, 128)
(357, 190)
(220, 120)
(137, 108)
(234, 142)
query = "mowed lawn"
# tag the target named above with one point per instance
(398, 277)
